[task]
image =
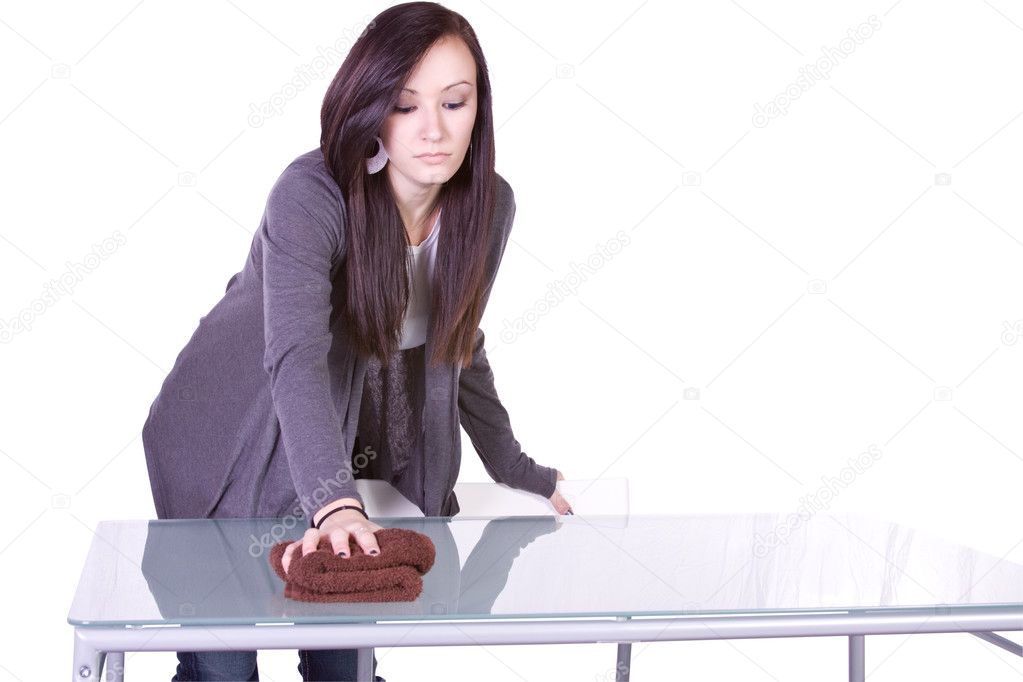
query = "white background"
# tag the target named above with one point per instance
(846, 276)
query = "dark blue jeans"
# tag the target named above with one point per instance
(321, 665)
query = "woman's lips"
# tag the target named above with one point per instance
(434, 159)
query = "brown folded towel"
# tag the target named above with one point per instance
(393, 575)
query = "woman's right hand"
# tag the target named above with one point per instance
(561, 505)
(339, 527)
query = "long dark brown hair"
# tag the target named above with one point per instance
(362, 94)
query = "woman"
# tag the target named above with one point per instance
(353, 326)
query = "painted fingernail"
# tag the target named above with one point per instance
(374, 552)
(570, 512)
(342, 553)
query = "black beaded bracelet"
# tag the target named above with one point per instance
(337, 509)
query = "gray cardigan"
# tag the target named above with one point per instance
(258, 415)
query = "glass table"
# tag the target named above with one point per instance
(207, 584)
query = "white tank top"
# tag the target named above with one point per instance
(417, 315)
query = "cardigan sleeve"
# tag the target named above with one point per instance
(486, 420)
(301, 236)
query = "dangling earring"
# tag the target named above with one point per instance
(377, 161)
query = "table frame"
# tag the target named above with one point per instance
(96, 646)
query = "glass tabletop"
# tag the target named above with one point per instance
(217, 571)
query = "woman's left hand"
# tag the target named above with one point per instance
(559, 502)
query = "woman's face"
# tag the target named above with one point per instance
(435, 112)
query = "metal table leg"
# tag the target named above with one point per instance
(365, 665)
(999, 641)
(624, 662)
(365, 672)
(113, 667)
(857, 659)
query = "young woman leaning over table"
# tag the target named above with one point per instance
(353, 325)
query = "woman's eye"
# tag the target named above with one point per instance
(407, 110)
